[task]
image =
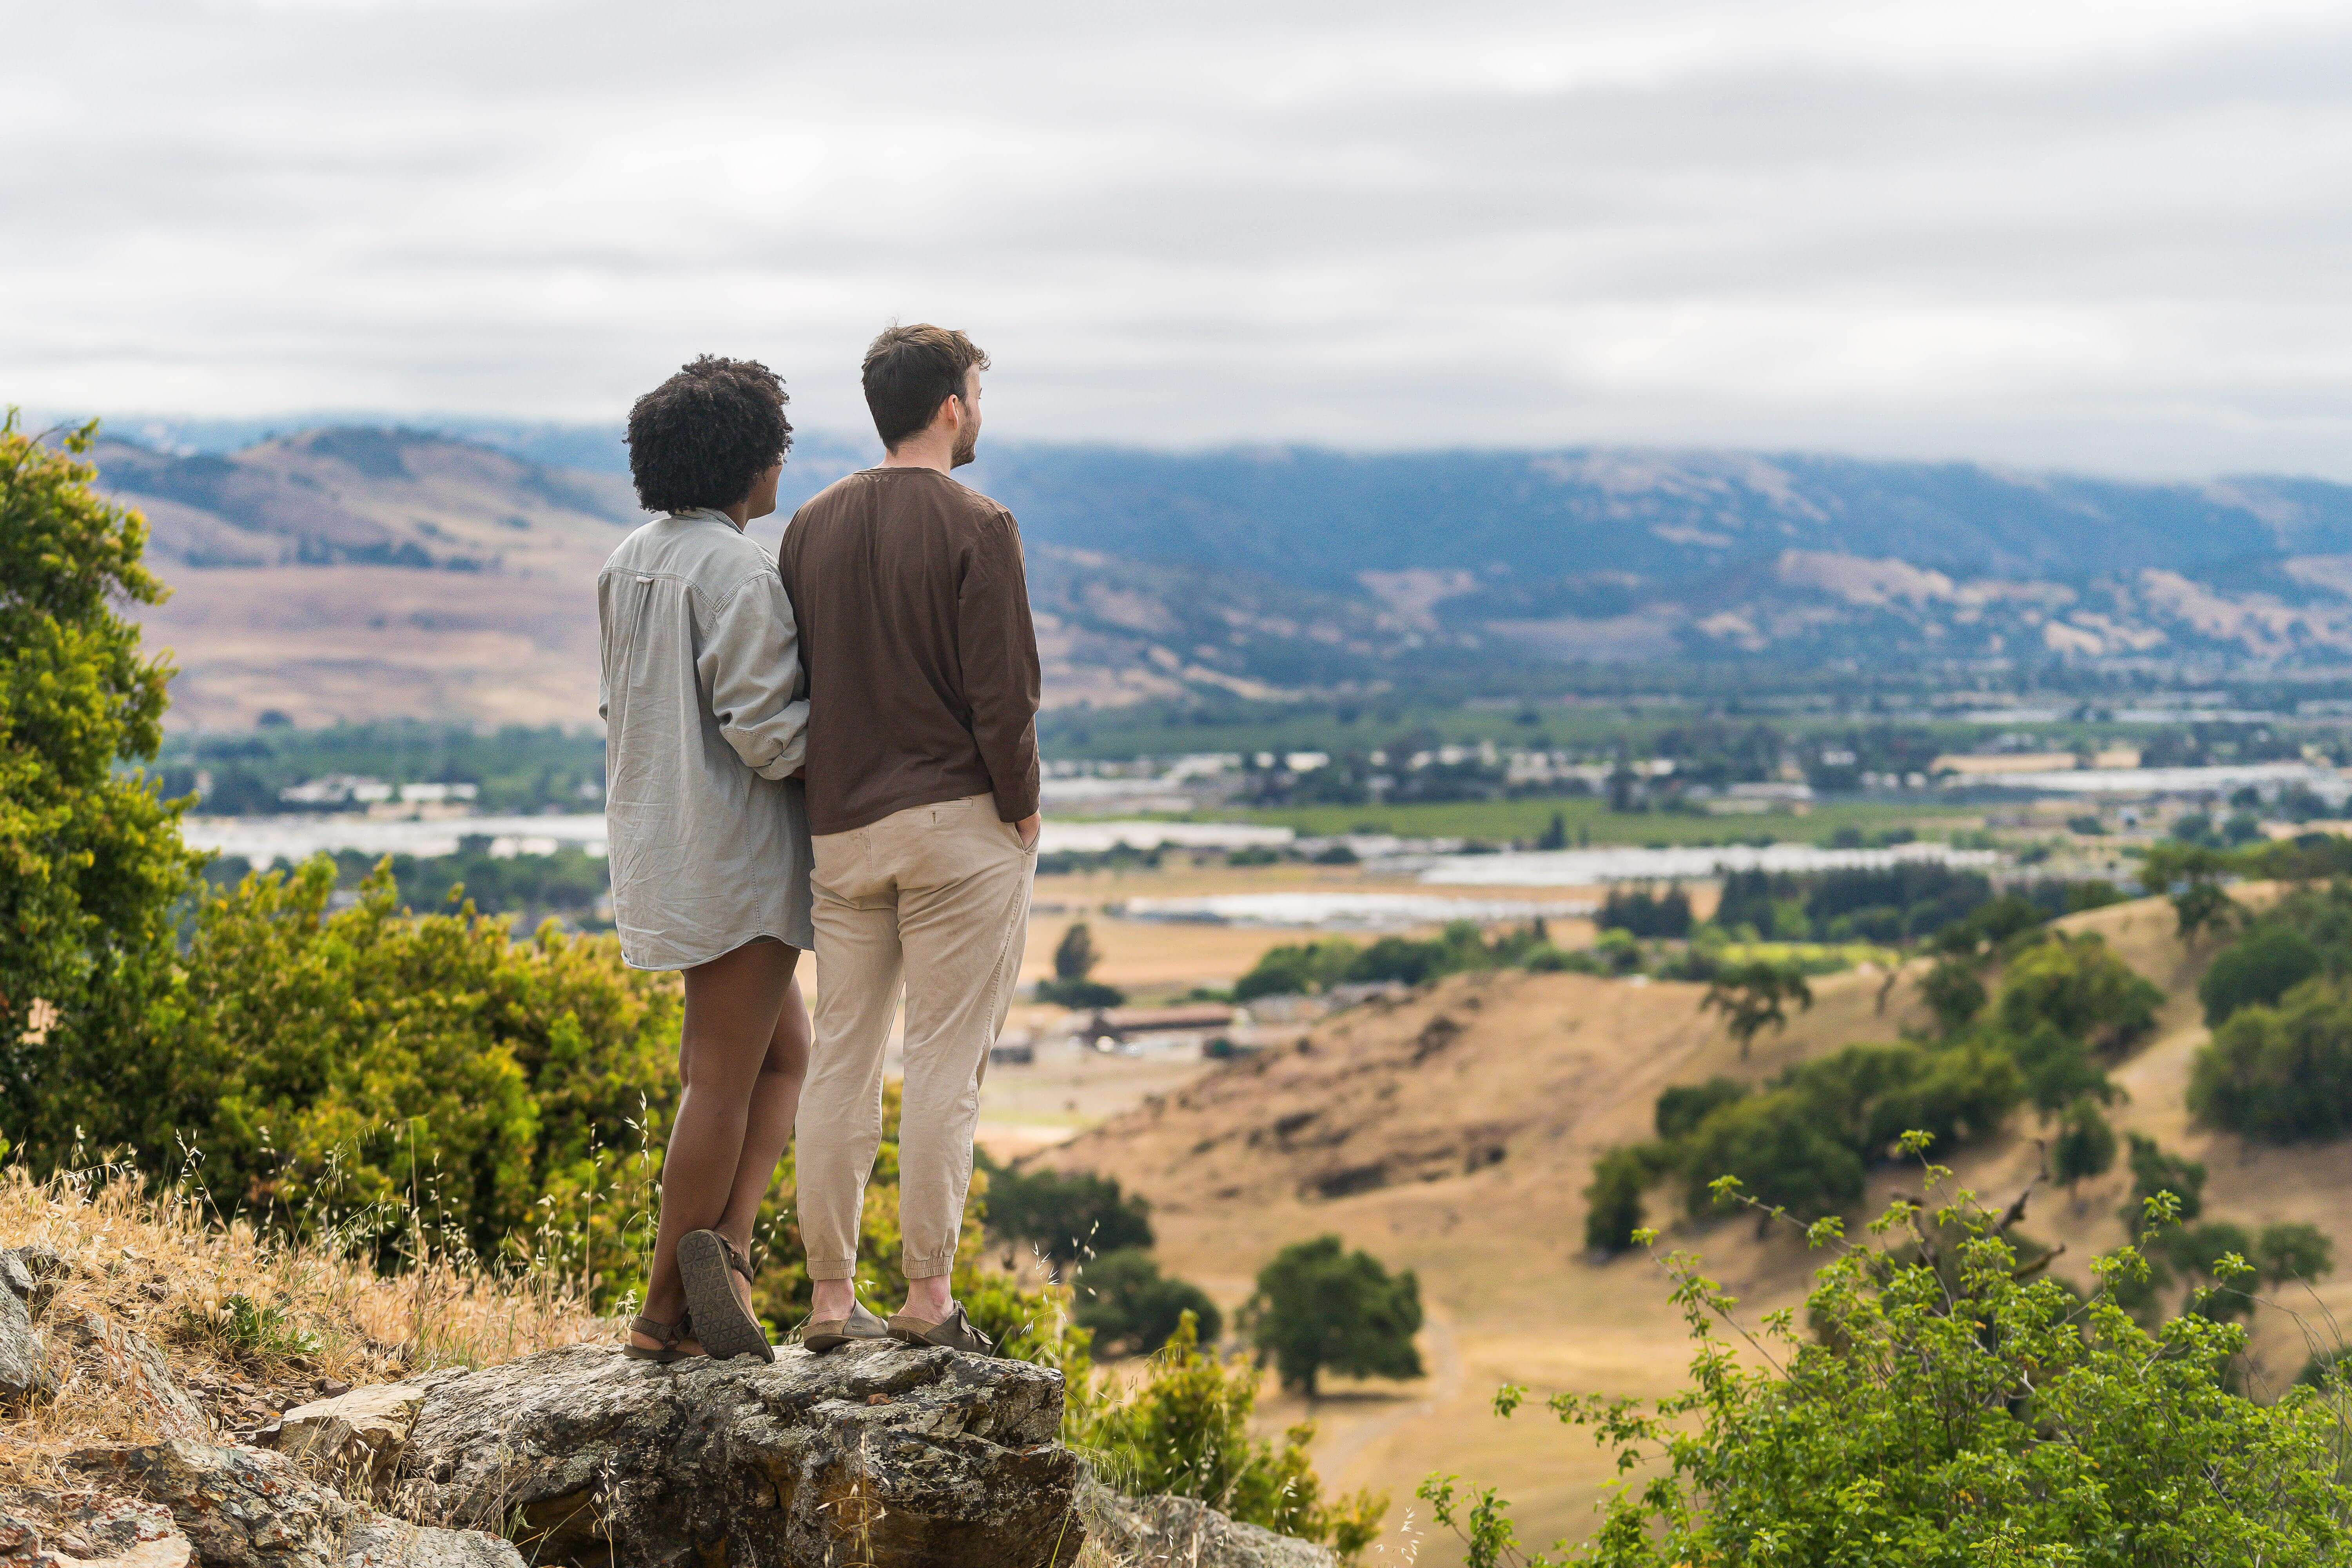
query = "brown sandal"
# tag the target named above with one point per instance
(953, 1332)
(671, 1336)
(724, 1325)
(831, 1333)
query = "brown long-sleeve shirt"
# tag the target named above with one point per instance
(922, 664)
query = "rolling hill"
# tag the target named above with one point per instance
(1453, 1132)
(458, 565)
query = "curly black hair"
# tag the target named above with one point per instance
(703, 436)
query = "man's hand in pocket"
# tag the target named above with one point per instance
(1029, 827)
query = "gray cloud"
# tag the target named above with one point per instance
(2058, 233)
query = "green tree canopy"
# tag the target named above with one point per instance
(2257, 969)
(1068, 1217)
(2280, 1074)
(2085, 1147)
(1755, 996)
(1321, 1307)
(90, 857)
(1131, 1307)
(1075, 956)
(2080, 986)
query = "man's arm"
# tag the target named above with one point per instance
(998, 647)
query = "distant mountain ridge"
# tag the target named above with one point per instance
(1289, 571)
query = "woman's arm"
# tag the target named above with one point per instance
(749, 669)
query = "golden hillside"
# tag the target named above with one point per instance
(1453, 1134)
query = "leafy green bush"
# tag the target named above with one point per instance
(1318, 1307)
(1297, 969)
(1805, 1145)
(1682, 1106)
(376, 1071)
(1130, 1306)
(2257, 969)
(2079, 986)
(1067, 1217)
(1948, 1419)
(91, 858)
(2155, 1173)
(1184, 1432)
(2284, 1074)
(1082, 995)
(1613, 1204)
(2085, 1147)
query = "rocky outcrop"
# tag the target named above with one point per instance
(1178, 1533)
(241, 1508)
(25, 1371)
(132, 1364)
(875, 1454)
(356, 1436)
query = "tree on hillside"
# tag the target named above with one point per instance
(1067, 1217)
(2085, 1147)
(2257, 969)
(90, 857)
(2078, 985)
(1133, 1308)
(1320, 1308)
(2281, 1074)
(1952, 992)
(2155, 1171)
(2192, 874)
(1754, 996)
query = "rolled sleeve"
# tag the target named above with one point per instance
(750, 668)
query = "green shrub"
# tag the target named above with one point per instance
(1184, 1432)
(1682, 1107)
(1947, 1419)
(1613, 1204)
(379, 1072)
(1776, 1145)
(90, 857)
(2058, 1068)
(1081, 994)
(1132, 1307)
(1805, 1145)
(1318, 1307)
(2156, 1172)
(2284, 1074)
(2258, 969)
(1297, 969)
(1952, 992)
(2080, 987)
(1067, 1217)
(2085, 1147)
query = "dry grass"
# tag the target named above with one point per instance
(246, 1323)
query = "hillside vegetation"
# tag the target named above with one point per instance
(1456, 1131)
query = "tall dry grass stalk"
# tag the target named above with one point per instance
(247, 1321)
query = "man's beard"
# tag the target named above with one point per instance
(967, 448)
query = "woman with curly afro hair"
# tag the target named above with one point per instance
(706, 731)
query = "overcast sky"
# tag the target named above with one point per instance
(2110, 236)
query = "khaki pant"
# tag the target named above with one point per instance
(939, 894)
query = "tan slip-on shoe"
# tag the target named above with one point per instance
(724, 1325)
(831, 1333)
(954, 1332)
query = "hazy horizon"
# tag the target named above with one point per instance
(2072, 235)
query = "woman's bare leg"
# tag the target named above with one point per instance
(732, 1005)
(775, 1102)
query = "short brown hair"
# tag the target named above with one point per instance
(910, 371)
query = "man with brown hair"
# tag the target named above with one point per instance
(913, 612)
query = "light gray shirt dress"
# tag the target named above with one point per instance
(705, 711)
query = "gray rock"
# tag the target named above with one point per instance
(98, 1533)
(31, 1273)
(242, 1508)
(875, 1454)
(25, 1371)
(1178, 1533)
(129, 1361)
